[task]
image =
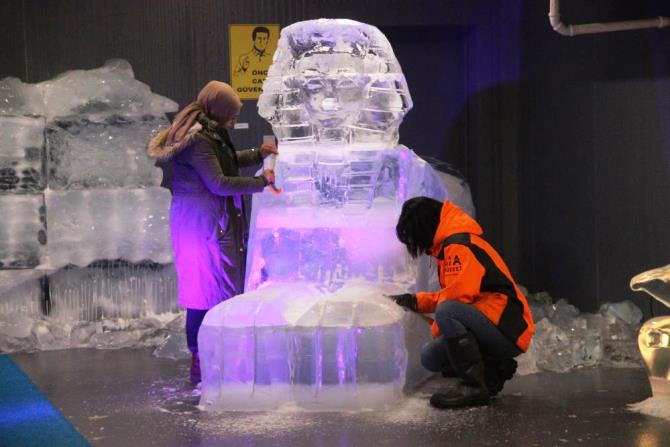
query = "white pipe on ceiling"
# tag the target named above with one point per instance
(592, 28)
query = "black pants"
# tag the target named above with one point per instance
(194, 319)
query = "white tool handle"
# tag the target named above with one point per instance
(272, 162)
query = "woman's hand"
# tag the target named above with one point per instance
(267, 149)
(269, 175)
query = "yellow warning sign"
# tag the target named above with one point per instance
(251, 51)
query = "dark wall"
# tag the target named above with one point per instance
(596, 156)
(12, 36)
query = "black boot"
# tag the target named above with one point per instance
(450, 372)
(465, 357)
(452, 380)
(498, 372)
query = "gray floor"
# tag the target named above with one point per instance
(128, 397)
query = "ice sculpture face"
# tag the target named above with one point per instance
(332, 99)
(654, 337)
(334, 81)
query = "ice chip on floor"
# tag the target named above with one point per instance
(174, 347)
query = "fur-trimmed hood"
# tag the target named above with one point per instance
(159, 151)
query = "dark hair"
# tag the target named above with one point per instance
(418, 223)
(259, 29)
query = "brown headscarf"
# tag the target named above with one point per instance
(217, 100)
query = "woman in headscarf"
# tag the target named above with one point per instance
(208, 225)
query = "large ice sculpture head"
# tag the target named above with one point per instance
(334, 80)
(654, 337)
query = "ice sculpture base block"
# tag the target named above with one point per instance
(294, 344)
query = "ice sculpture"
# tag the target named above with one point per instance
(85, 233)
(314, 328)
(654, 337)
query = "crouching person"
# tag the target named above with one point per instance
(482, 320)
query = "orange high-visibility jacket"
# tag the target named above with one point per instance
(472, 272)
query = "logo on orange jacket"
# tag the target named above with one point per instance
(452, 265)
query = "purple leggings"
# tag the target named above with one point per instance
(194, 319)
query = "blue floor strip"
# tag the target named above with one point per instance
(27, 418)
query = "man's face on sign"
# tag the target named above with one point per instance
(261, 40)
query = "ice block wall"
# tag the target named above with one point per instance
(85, 220)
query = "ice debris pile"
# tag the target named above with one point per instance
(565, 338)
(85, 223)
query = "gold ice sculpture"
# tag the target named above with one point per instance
(654, 337)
